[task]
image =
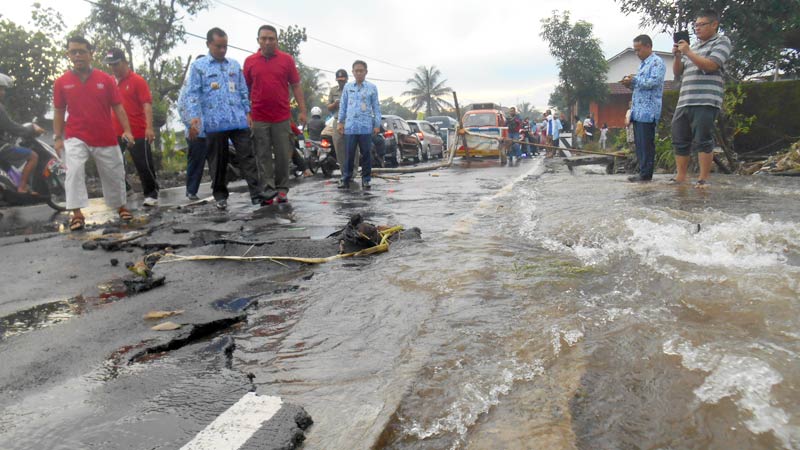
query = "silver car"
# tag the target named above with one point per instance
(432, 143)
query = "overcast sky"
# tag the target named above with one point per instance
(487, 51)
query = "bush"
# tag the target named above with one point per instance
(772, 103)
(775, 106)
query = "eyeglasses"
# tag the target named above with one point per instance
(701, 24)
(77, 52)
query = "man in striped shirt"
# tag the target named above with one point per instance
(700, 68)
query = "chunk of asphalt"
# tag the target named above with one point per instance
(284, 431)
(193, 333)
(139, 285)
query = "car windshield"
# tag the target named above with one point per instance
(480, 120)
(440, 121)
(414, 127)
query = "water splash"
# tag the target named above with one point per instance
(475, 399)
(748, 381)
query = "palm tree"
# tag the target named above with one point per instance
(426, 91)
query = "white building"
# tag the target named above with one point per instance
(626, 62)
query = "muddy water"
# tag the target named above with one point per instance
(549, 310)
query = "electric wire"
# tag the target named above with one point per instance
(197, 36)
(322, 41)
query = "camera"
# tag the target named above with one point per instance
(682, 35)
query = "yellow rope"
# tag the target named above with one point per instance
(380, 248)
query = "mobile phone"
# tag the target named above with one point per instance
(682, 35)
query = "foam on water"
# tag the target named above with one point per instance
(476, 398)
(662, 240)
(744, 243)
(571, 337)
(746, 380)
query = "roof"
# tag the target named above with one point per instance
(483, 111)
(630, 50)
(619, 89)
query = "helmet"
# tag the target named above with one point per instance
(6, 81)
(315, 111)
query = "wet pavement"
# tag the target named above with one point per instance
(541, 308)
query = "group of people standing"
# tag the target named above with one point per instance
(220, 103)
(700, 69)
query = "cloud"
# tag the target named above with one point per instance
(486, 51)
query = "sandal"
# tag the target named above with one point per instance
(124, 214)
(702, 184)
(77, 223)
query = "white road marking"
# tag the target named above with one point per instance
(235, 426)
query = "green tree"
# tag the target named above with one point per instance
(427, 91)
(765, 34)
(391, 107)
(34, 59)
(150, 29)
(289, 41)
(559, 100)
(528, 110)
(582, 66)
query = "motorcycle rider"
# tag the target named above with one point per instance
(10, 129)
(316, 124)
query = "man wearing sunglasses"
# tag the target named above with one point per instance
(700, 67)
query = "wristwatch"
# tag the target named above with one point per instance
(57, 137)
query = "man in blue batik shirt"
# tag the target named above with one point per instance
(648, 87)
(359, 119)
(217, 103)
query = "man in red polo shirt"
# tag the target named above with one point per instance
(269, 73)
(138, 105)
(89, 95)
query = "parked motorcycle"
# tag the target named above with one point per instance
(47, 181)
(326, 158)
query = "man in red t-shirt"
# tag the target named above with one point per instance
(269, 73)
(89, 95)
(138, 105)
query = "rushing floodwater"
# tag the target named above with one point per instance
(551, 310)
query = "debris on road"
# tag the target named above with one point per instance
(155, 315)
(139, 285)
(363, 239)
(166, 326)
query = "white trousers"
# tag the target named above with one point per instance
(110, 166)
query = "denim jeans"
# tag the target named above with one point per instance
(645, 138)
(196, 161)
(364, 143)
(515, 148)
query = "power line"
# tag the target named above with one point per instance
(250, 52)
(316, 39)
(188, 33)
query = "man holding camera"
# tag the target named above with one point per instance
(700, 67)
(648, 87)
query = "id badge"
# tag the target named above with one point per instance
(231, 87)
(363, 106)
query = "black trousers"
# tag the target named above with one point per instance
(245, 160)
(142, 155)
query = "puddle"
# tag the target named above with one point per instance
(234, 305)
(52, 313)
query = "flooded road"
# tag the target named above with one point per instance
(540, 309)
(551, 310)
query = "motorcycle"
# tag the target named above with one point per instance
(47, 180)
(326, 157)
